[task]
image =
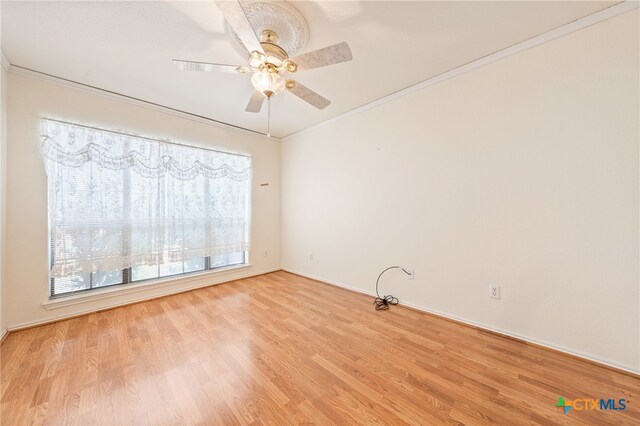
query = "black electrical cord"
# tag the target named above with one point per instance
(382, 303)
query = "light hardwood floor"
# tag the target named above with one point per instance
(281, 349)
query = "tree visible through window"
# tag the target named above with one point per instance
(125, 208)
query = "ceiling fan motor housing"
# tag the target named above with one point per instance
(274, 51)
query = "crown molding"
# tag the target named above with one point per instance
(587, 21)
(19, 70)
(5, 62)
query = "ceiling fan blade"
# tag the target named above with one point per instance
(329, 55)
(233, 13)
(255, 102)
(307, 95)
(205, 66)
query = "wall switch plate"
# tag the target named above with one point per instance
(494, 291)
(266, 253)
(310, 255)
(411, 274)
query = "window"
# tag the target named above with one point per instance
(125, 208)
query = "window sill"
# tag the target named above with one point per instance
(108, 292)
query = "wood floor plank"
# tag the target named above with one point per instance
(281, 349)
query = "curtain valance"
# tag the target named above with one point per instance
(73, 145)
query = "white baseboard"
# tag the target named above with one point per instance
(3, 333)
(491, 328)
(167, 292)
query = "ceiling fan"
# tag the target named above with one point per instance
(268, 61)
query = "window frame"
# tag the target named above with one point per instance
(127, 273)
(126, 276)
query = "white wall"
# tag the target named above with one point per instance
(3, 128)
(3, 165)
(523, 173)
(30, 99)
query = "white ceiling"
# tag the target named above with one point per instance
(127, 47)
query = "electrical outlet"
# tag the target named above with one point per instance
(494, 291)
(411, 275)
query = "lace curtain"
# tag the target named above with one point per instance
(118, 201)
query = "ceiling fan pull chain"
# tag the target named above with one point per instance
(269, 117)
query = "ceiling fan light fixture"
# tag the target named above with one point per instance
(256, 59)
(268, 83)
(289, 66)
